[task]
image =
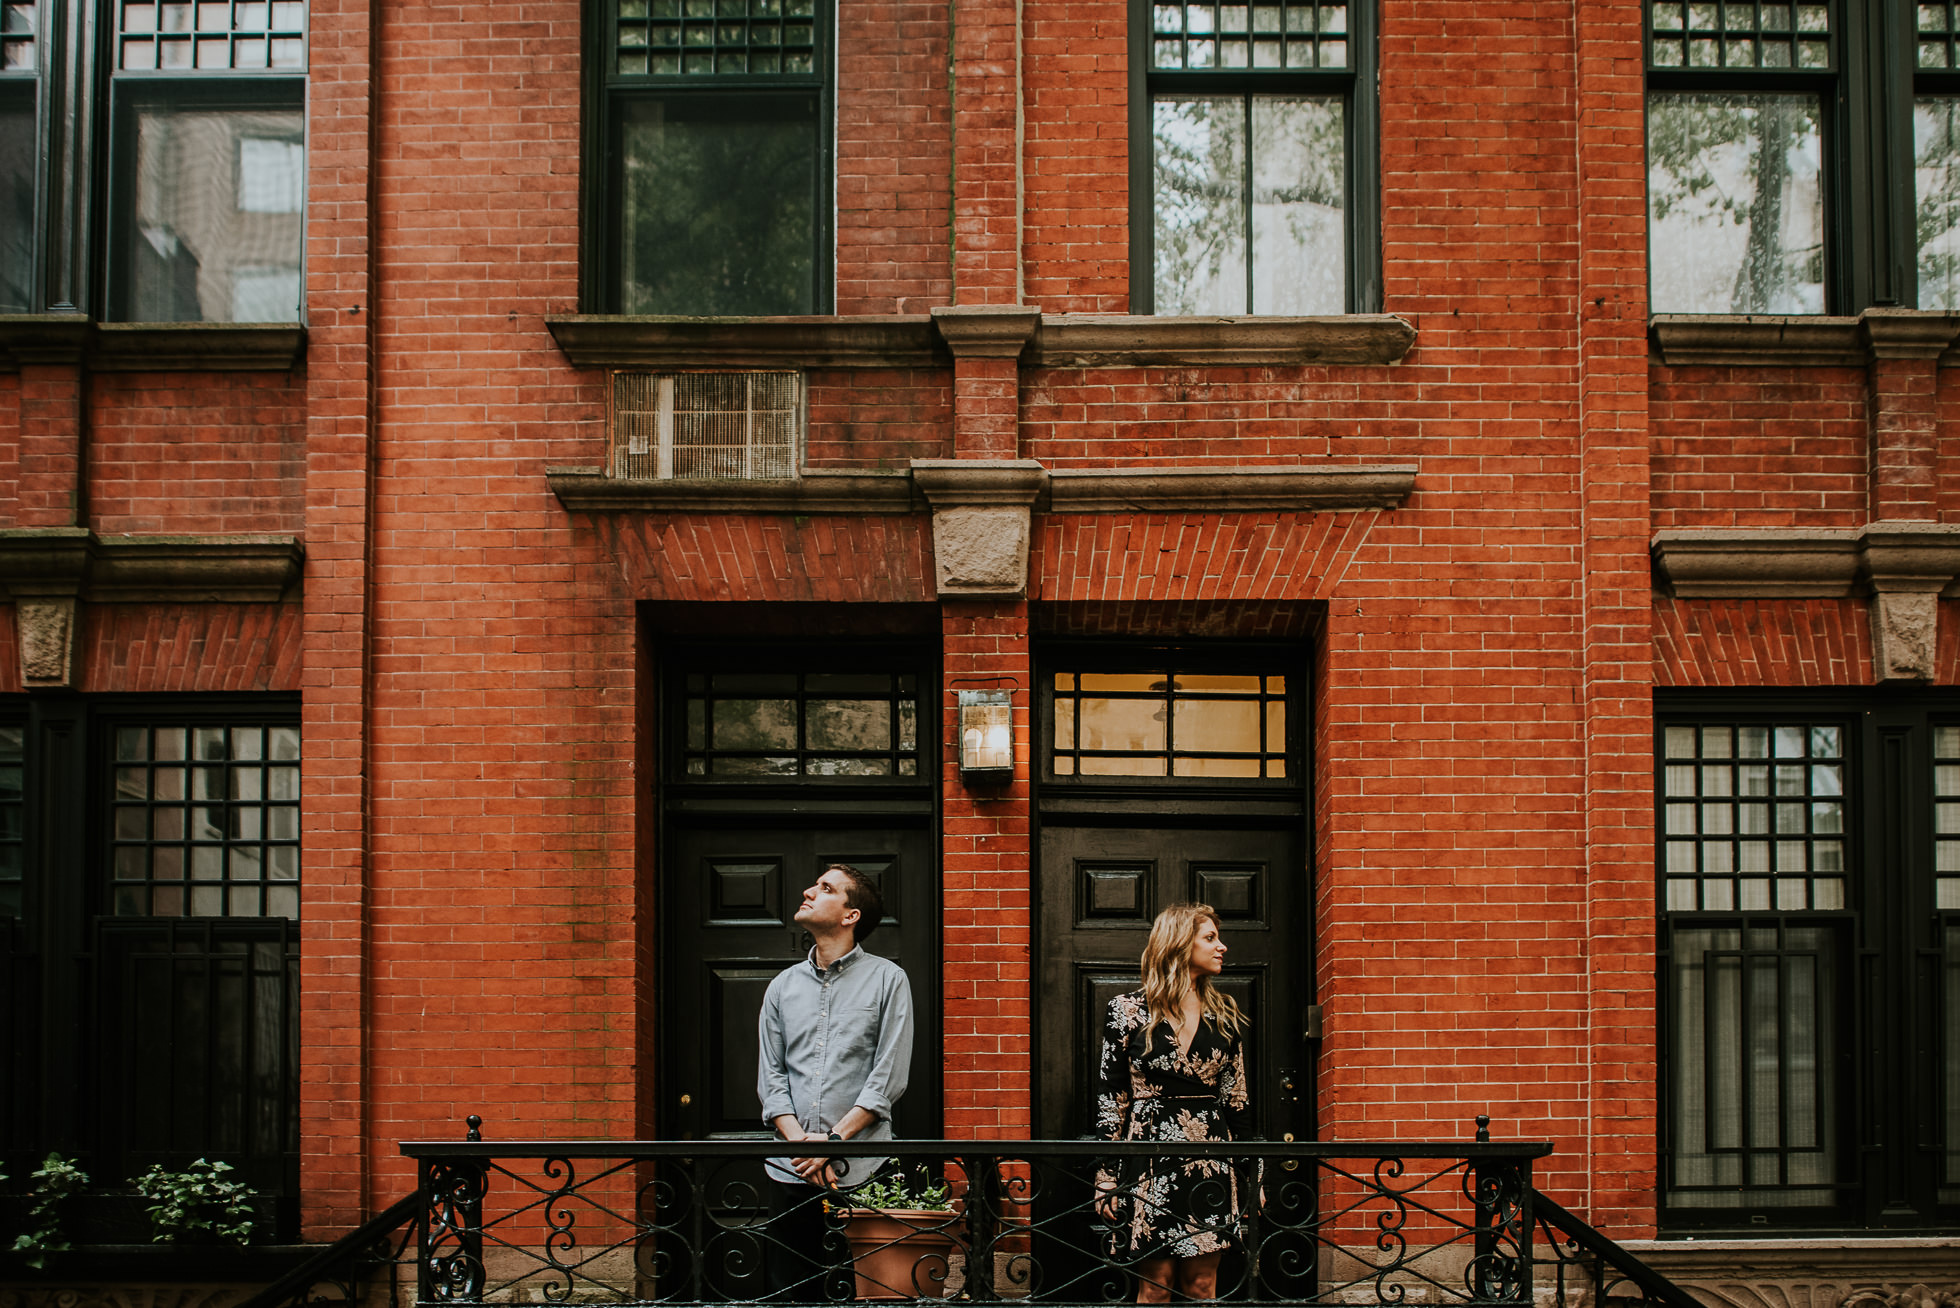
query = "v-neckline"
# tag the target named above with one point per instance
(1183, 1051)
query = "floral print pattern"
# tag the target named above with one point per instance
(1151, 1091)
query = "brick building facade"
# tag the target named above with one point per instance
(1512, 557)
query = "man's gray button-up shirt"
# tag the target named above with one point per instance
(834, 1038)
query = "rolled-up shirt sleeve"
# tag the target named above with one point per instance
(892, 1062)
(772, 1068)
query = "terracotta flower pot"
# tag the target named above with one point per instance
(902, 1253)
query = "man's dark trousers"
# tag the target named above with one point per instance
(805, 1256)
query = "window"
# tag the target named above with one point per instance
(1252, 194)
(200, 151)
(20, 61)
(1788, 169)
(1806, 958)
(209, 160)
(1187, 713)
(707, 426)
(716, 132)
(1736, 104)
(153, 946)
(800, 724)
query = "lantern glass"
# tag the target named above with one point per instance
(986, 734)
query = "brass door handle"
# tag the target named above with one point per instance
(688, 1099)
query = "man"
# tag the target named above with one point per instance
(836, 1037)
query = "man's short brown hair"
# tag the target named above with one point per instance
(861, 893)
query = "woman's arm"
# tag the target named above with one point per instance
(1113, 1097)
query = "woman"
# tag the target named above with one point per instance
(1173, 1068)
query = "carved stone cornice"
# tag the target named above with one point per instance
(987, 331)
(811, 341)
(1803, 340)
(179, 569)
(1808, 1273)
(589, 490)
(1086, 340)
(1314, 488)
(149, 346)
(947, 482)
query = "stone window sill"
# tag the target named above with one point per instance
(150, 346)
(1804, 341)
(1787, 563)
(917, 340)
(1324, 488)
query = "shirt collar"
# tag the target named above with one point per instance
(839, 967)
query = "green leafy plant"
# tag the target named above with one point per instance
(54, 1181)
(893, 1191)
(197, 1201)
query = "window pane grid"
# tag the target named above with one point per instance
(19, 25)
(1248, 36)
(1946, 818)
(1938, 26)
(1753, 818)
(1158, 724)
(204, 821)
(1754, 1037)
(708, 37)
(211, 35)
(13, 813)
(1738, 37)
(789, 724)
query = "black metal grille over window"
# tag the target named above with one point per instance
(1748, 35)
(211, 34)
(1202, 34)
(206, 821)
(1169, 721)
(1755, 817)
(801, 724)
(716, 36)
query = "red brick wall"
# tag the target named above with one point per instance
(1764, 642)
(1076, 156)
(894, 157)
(163, 649)
(1759, 447)
(197, 452)
(879, 418)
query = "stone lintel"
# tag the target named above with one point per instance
(1771, 563)
(73, 562)
(809, 341)
(242, 569)
(1803, 340)
(195, 346)
(1085, 340)
(1327, 488)
(27, 338)
(589, 490)
(948, 482)
(987, 331)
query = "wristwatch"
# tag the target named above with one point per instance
(837, 1137)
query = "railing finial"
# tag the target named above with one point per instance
(476, 1127)
(1483, 1128)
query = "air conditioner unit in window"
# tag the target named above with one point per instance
(706, 426)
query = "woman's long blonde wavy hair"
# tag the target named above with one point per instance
(1167, 970)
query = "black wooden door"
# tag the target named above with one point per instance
(731, 891)
(1100, 888)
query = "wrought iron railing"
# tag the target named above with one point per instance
(1590, 1269)
(690, 1222)
(342, 1272)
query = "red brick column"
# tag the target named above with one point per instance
(1618, 602)
(986, 153)
(1900, 413)
(335, 1098)
(50, 487)
(986, 342)
(988, 876)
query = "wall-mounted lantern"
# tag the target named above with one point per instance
(986, 735)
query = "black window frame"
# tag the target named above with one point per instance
(606, 92)
(65, 947)
(1870, 247)
(1231, 657)
(129, 94)
(1357, 84)
(1887, 1089)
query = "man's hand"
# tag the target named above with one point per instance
(1106, 1200)
(814, 1171)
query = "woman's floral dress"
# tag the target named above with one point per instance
(1173, 1207)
